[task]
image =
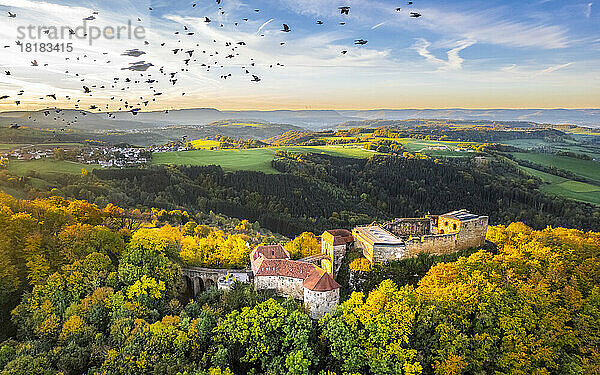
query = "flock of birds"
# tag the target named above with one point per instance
(210, 60)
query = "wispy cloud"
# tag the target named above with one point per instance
(454, 61)
(264, 25)
(488, 27)
(378, 25)
(588, 11)
(556, 67)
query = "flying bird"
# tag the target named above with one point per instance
(345, 10)
(140, 66)
(361, 42)
(255, 78)
(286, 28)
(415, 14)
(133, 52)
(12, 15)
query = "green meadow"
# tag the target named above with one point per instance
(258, 159)
(47, 166)
(585, 168)
(563, 187)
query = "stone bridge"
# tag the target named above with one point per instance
(200, 279)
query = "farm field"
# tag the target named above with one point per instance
(428, 147)
(435, 148)
(560, 186)
(578, 145)
(258, 159)
(585, 168)
(529, 143)
(204, 144)
(47, 166)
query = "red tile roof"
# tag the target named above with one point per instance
(340, 236)
(270, 252)
(339, 232)
(283, 267)
(320, 281)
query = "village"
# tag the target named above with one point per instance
(104, 156)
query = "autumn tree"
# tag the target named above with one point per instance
(303, 246)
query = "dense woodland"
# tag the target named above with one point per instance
(90, 271)
(317, 192)
(99, 291)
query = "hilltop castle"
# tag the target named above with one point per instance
(395, 240)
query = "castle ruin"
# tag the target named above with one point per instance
(433, 234)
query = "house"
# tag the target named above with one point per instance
(274, 270)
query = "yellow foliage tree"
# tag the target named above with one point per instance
(303, 246)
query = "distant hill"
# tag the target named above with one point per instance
(307, 119)
(202, 116)
(581, 117)
(67, 118)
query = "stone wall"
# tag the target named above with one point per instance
(339, 252)
(321, 303)
(472, 233)
(284, 286)
(383, 253)
(410, 227)
(435, 245)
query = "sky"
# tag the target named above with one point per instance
(458, 54)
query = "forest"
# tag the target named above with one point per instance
(314, 192)
(99, 291)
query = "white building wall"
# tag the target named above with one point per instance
(283, 286)
(321, 303)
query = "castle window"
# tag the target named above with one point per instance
(442, 231)
(445, 223)
(454, 226)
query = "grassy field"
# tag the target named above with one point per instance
(204, 144)
(9, 146)
(560, 186)
(528, 143)
(254, 159)
(434, 148)
(585, 168)
(47, 166)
